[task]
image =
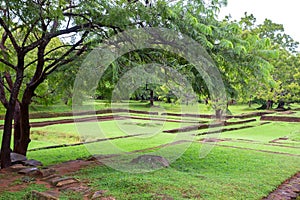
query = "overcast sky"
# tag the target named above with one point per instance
(282, 12)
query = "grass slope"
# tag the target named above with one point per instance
(224, 174)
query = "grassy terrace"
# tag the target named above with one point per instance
(247, 164)
(225, 173)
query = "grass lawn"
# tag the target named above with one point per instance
(264, 133)
(224, 174)
(236, 168)
(87, 131)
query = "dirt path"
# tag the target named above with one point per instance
(8, 181)
(56, 179)
(12, 181)
(280, 118)
(289, 189)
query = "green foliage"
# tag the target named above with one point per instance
(266, 62)
(234, 50)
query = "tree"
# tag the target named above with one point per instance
(28, 55)
(286, 75)
(282, 86)
(286, 66)
(240, 55)
(251, 60)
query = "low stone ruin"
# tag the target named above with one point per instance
(151, 160)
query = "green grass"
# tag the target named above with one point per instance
(63, 118)
(68, 133)
(17, 195)
(295, 136)
(224, 174)
(264, 133)
(243, 108)
(54, 156)
(87, 131)
(261, 146)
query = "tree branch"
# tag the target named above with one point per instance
(55, 34)
(2, 93)
(70, 30)
(3, 40)
(8, 80)
(8, 63)
(10, 35)
(47, 59)
(56, 48)
(40, 63)
(64, 62)
(70, 7)
(70, 14)
(54, 26)
(50, 68)
(28, 32)
(74, 29)
(58, 62)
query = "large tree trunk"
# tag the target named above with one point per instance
(17, 124)
(218, 114)
(269, 104)
(151, 98)
(23, 140)
(21, 145)
(7, 131)
(206, 101)
(169, 99)
(6, 138)
(250, 101)
(281, 105)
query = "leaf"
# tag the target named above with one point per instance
(226, 44)
(207, 30)
(240, 49)
(268, 54)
